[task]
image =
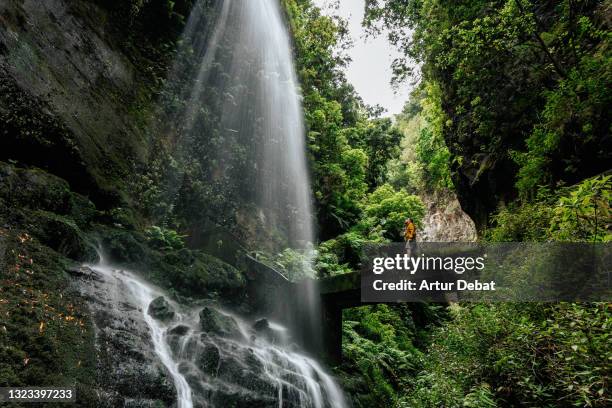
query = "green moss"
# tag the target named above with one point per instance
(187, 272)
(46, 337)
(61, 234)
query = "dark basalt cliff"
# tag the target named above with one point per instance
(76, 91)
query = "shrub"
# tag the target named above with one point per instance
(164, 239)
(385, 211)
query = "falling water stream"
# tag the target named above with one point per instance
(240, 117)
(244, 364)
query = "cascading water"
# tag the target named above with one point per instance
(236, 120)
(214, 358)
(233, 114)
(242, 119)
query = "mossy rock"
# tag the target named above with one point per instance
(188, 272)
(125, 247)
(214, 322)
(34, 189)
(63, 235)
(160, 309)
(195, 273)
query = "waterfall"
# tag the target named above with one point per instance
(231, 114)
(213, 357)
(236, 120)
(242, 119)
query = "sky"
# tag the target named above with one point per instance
(370, 71)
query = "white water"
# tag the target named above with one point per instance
(242, 123)
(274, 372)
(143, 295)
(243, 104)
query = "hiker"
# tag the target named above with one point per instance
(410, 235)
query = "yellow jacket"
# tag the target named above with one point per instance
(410, 231)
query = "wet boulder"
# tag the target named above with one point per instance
(160, 309)
(272, 333)
(208, 360)
(179, 330)
(62, 234)
(261, 325)
(216, 323)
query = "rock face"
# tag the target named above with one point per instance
(445, 220)
(67, 95)
(129, 373)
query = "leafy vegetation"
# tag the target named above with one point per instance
(349, 146)
(516, 355)
(511, 112)
(377, 346)
(524, 87)
(163, 238)
(511, 109)
(424, 165)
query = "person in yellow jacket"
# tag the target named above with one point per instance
(410, 235)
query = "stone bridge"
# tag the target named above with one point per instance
(337, 293)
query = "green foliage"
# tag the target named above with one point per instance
(425, 159)
(329, 255)
(164, 239)
(385, 211)
(341, 254)
(379, 140)
(183, 272)
(585, 213)
(527, 354)
(377, 345)
(579, 213)
(575, 120)
(294, 264)
(523, 86)
(348, 146)
(517, 354)
(529, 221)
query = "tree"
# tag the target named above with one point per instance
(524, 87)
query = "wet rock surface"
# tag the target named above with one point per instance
(129, 373)
(214, 322)
(225, 366)
(152, 349)
(160, 309)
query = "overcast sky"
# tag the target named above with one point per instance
(370, 71)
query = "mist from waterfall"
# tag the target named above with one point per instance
(238, 113)
(231, 118)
